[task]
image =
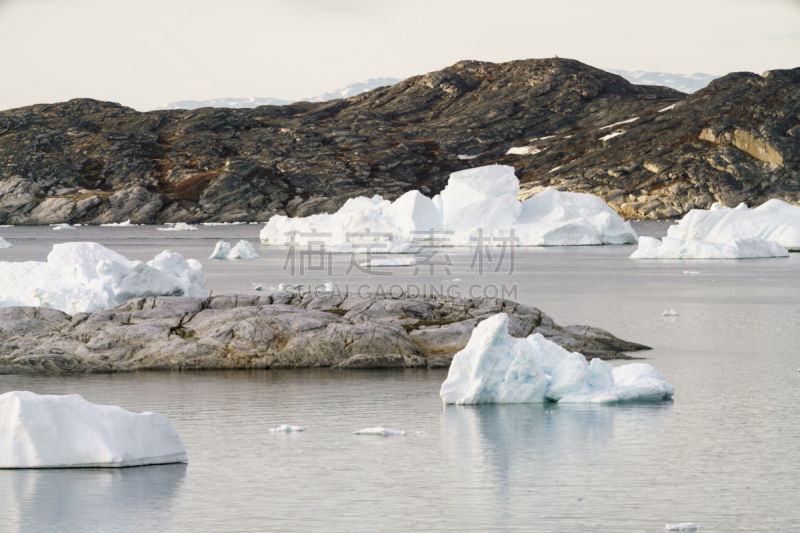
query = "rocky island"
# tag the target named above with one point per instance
(282, 330)
(649, 152)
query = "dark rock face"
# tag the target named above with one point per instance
(283, 330)
(95, 162)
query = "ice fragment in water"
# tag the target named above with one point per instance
(380, 431)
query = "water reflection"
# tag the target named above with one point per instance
(87, 499)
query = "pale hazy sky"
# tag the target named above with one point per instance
(143, 53)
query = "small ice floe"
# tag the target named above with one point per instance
(673, 248)
(671, 312)
(380, 431)
(260, 287)
(243, 250)
(612, 135)
(180, 226)
(59, 227)
(422, 432)
(6, 225)
(223, 223)
(686, 526)
(282, 287)
(69, 432)
(690, 272)
(286, 428)
(4, 243)
(395, 261)
(465, 157)
(119, 224)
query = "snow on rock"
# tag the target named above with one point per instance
(465, 157)
(612, 135)
(686, 526)
(379, 430)
(477, 205)
(59, 227)
(87, 277)
(4, 243)
(774, 220)
(673, 248)
(243, 250)
(180, 226)
(67, 431)
(119, 224)
(497, 368)
(286, 428)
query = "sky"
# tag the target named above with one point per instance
(144, 53)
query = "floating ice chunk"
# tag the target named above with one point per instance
(465, 157)
(379, 430)
(673, 248)
(286, 428)
(289, 287)
(119, 224)
(260, 287)
(223, 223)
(497, 368)
(671, 312)
(691, 272)
(59, 227)
(243, 250)
(67, 431)
(478, 205)
(6, 225)
(4, 243)
(422, 432)
(772, 221)
(612, 135)
(88, 277)
(180, 226)
(686, 526)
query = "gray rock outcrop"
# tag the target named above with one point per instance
(283, 330)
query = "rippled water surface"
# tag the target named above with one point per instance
(723, 454)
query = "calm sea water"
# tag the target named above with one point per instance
(723, 454)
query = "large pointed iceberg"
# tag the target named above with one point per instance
(478, 206)
(672, 248)
(494, 367)
(67, 431)
(774, 220)
(87, 277)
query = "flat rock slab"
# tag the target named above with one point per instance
(282, 330)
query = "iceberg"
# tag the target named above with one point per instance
(180, 226)
(380, 431)
(673, 248)
(59, 227)
(479, 206)
(686, 526)
(286, 428)
(404, 261)
(125, 224)
(243, 250)
(4, 243)
(774, 220)
(495, 367)
(69, 432)
(87, 277)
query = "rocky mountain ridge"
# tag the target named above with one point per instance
(650, 152)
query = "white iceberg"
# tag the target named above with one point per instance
(59, 227)
(774, 220)
(125, 224)
(243, 250)
(180, 226)
(497, 368)
(87, 277)
(380, 431)
(479, 206)
(67, 431)
(670, 312)
(4, 243)
(286, 428)
(673, 248)
(399, 261)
